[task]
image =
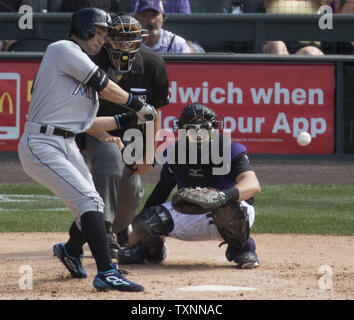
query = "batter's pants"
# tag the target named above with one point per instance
(57, 164)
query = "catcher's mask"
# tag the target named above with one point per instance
(84, 21)
(198, 120)
(124, 41)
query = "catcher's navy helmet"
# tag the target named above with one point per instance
(83, 22)
(197, 113)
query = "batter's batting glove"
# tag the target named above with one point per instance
(146, 113)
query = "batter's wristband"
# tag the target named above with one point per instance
(232, 195)
(116, 117)
(134, 103)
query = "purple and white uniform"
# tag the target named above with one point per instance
(199, 227)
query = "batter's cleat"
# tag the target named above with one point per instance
(73, 264)
(114, 280)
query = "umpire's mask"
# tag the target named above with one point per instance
(124, 41)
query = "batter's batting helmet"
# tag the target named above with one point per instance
(83, 22)
(124, 41)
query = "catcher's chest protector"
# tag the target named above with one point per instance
(201, 175)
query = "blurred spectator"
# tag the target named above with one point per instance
(346, 6)
(247, 6)
(170, 6)
(294, 7)
(150, 14)
(6, 44)
(13, 5)
(74, 5)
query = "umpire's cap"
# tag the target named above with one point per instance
(83, 22)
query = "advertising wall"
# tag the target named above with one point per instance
(264, 105)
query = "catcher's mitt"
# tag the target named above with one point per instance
(198, 200)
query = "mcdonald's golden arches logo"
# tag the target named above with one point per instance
(9, 102)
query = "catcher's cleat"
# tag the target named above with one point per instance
(153, 251)
(114, 280)
(131, 255)
(73, 264)
(247, 260)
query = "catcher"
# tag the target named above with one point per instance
(205, 206)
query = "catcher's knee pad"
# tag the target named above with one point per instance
(152, 223)
(233, 225)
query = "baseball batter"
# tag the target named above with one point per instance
(230, 219)
(65, 102)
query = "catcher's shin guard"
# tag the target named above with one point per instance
(233, 225)
(152, 223)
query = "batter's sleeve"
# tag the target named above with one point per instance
(73, 62)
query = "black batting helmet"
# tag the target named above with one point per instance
(197, 113)
(124, 41)
(83, 22)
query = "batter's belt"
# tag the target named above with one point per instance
(58, 132)
(32, 127)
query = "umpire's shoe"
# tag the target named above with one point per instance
(245, 259)
(113, 246)
(114, 280)
(73, 264)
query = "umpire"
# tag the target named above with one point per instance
(141, 71)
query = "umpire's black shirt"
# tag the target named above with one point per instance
(148, 74)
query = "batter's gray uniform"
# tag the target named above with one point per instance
(64, 102)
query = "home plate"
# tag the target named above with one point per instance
(216, 288)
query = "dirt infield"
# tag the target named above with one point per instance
(292, 267)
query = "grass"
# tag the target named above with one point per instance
(302, 209)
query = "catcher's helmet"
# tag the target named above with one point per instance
(198, 120)
(124, 41)
(83, 22)
(197, 113)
